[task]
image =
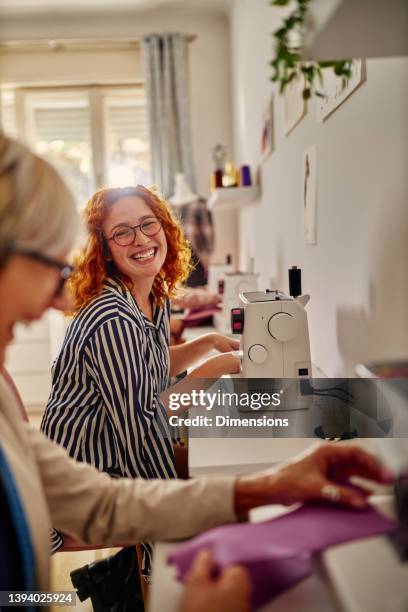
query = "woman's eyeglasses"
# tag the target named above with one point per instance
(64, 268)
(126, 234)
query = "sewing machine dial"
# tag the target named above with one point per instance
(283, 327)
(258, 353)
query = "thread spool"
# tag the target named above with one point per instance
(245, 179)
(218, 174)
(295, 281)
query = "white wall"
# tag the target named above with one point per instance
(357, 274)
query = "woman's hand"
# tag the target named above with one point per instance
(196, 297)
(183, 356)
(214, 367)
(217, 366)
(319, 475)
(223, 344)
(228, 592)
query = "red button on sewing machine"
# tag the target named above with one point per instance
(237, 320)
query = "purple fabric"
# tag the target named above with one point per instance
(279, 553)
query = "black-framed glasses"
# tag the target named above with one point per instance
(126, 234)
(64, 268)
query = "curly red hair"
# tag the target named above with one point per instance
(92, 266)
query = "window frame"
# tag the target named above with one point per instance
(97, 96)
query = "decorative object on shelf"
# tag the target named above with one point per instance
(287, 63)
(216, 179)
(294, 104)
(245, 179)
(309, 194)
(268, 131)
(219, 154)
(226, 174)
(335, 93)
(229, 177)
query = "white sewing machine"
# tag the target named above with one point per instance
(275, 335)
(275, 343)
(217, 272)
(230, 287)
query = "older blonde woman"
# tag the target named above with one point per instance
(40, 485)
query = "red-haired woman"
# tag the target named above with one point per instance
(104, 405)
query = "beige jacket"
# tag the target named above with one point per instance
(93, 508)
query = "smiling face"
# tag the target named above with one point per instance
(27, 290)
(143, 259)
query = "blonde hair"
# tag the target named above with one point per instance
(37, 210)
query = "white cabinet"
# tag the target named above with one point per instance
(30, 356)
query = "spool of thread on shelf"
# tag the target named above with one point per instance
(218, 174)
(245, 176)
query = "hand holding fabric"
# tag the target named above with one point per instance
(230, 591)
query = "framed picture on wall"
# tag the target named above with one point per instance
(268, 130)
(294, 106)
(309, 194)
(334, 90)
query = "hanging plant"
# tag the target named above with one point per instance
(287, 63)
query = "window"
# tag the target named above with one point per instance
(8, 113)
(58, 125)
(128, 159)
(96, 136)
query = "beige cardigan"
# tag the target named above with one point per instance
(93, 508)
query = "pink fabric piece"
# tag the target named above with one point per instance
(279, 553)
(198, 316)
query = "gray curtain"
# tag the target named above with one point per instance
(166, 76)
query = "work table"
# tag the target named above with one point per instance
(361, 576)
(364, 576)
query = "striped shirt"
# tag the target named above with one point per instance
(104, 405)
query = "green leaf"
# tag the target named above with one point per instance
(326, 64)
(280, 33)
(287, 61)
(310, 76)
(290, 78)
(290, 22)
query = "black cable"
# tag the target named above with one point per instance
(343, 399)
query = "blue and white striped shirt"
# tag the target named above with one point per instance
(104, 405)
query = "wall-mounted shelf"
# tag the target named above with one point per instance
(357, 28)
(232, 198)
